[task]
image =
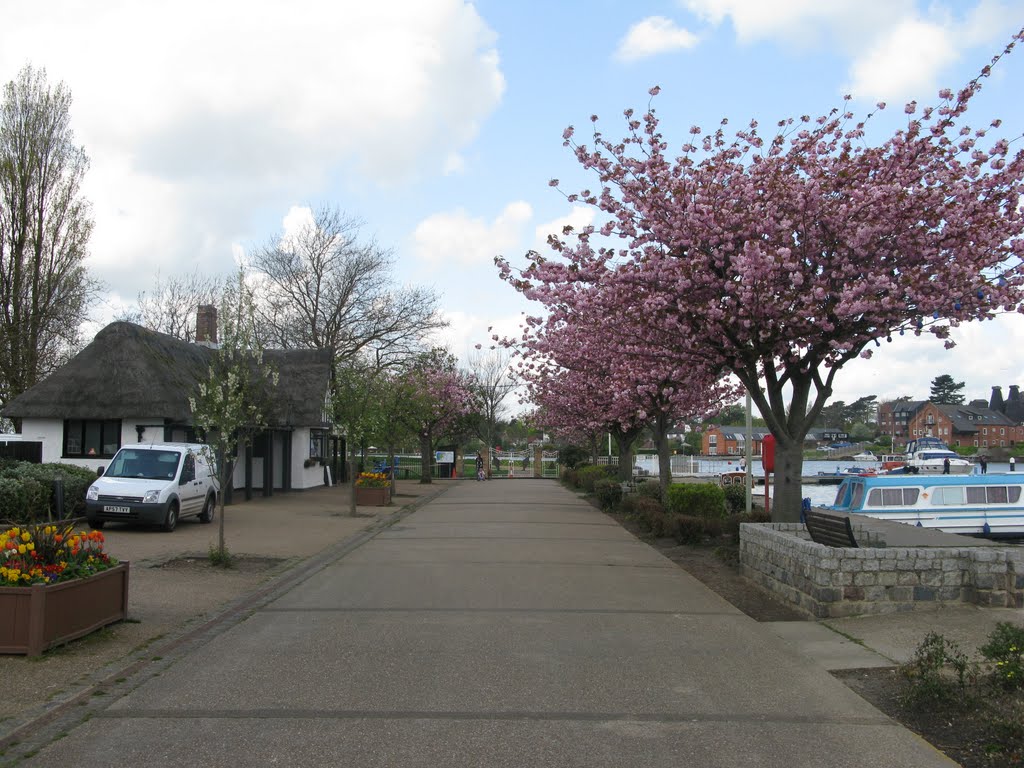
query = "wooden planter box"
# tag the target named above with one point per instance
(372, 497)
(44, 615)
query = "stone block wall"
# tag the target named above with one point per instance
(833, 582)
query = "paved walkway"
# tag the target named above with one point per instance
(502, 624)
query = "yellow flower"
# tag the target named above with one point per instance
(22, 549)
(26, 536)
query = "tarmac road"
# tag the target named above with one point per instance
(500, 624)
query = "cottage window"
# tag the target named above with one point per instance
(317, 443)
(91, 437)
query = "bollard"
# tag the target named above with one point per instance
(58, 497)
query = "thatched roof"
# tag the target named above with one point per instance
(131, 371)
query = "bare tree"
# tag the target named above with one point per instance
(45, 225)
(172, 304)
(494, 382)
(322, 287)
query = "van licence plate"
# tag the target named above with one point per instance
(117, 510)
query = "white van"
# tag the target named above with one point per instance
(154, 484)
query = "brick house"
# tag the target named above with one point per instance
(975, 425)
(731, 441)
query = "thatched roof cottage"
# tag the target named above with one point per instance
(132, 385)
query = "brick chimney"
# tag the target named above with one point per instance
(206, 324)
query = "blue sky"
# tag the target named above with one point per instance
(210, 125)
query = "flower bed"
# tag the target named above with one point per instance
(56, 585)
(372, 497)
(373, 489)
(41, 616)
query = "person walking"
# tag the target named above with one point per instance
(1013, 462)
(945, 466)
(479, 467)
(984, 465)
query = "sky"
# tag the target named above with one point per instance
(212, 126)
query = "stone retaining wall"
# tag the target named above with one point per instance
(832, 582)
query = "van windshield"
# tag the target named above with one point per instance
(148, 465)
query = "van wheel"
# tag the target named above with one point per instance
(209, 509)
(96, 525)
(172, 517)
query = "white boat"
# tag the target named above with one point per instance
(931, 456)
(977, 505)
(865, 456)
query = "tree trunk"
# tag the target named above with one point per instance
(391, 463)
(660, 429)
(786, 491)
(426, 449)
(352, 477)
(624, 440)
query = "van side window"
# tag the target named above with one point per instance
(188, 471)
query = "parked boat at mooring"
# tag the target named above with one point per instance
(977, 505)
(928, 456)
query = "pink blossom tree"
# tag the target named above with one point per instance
(593, 361)
(786, 257)
(433, 396)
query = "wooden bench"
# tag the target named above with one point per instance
(830, 530)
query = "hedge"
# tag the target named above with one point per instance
(705, 500)
(27, 495)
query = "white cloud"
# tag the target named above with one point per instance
(652, 36)
(897, 49)
(809, 22)
(579, 217)
(908, 365)
(903, 63)
(200, 117)
(457, 238)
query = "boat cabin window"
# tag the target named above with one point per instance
(977, 494)
(996, 494)
(892, 497)
(949, 497)
(857, 497)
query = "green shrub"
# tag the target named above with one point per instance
(648, 511)
(12, 501)
(1005, 650)
(938, 675)
(608, 492)
(650, 489)
(591, 474)
(696, 499)
(735, 498)
(688, 529)
(572, 456)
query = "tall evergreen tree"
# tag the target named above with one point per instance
(946, 391)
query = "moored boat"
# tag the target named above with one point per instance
(977, 505)
(865, 456)
(929, 456)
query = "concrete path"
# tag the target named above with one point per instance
(503, 624)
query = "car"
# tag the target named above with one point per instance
(155, 484)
